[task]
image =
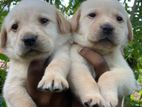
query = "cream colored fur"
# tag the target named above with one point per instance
(119, 80)
(53, 39)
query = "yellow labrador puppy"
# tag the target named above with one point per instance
(102, 25)
(33, 30)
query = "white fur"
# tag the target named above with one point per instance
(53, 38)
(119, 80)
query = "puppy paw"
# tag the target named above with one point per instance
(53, 82)
(108, 89)
(93, 100)
(112, 101)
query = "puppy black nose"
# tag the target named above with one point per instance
(29, 40)
(107, 28)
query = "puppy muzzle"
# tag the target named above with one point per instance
(30, 40)
(107, 29)
(30, 45)
(107, 33)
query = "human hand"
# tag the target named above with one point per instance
(96, 60)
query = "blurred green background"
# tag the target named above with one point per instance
(133, 53)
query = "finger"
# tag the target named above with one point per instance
(35, 72)
(93, 57)
(96, 60)
(36, 65)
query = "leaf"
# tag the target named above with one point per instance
(4, 57)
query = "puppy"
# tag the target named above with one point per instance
(34, 30)
(102, 25)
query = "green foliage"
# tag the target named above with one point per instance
(2, 102)
(2, 78)
(3, 57)
(4, 8)
(133, 53)
(134, 100)
(3, 68)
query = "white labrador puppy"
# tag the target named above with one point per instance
(102, 25)
(34, 30)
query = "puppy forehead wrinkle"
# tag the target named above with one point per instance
(37, 7)
(34, 5)
(103, 4)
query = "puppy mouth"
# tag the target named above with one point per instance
(105, 41)
(32, 52)
(107, 38)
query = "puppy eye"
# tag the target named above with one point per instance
(43, 20)
(92, 15)
(119, 18)
(14, 27)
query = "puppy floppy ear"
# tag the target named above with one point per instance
(3, 37)
(75, 21)
(130, 31)
(63, 25)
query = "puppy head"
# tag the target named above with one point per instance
(32, 29)
(101, 24)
